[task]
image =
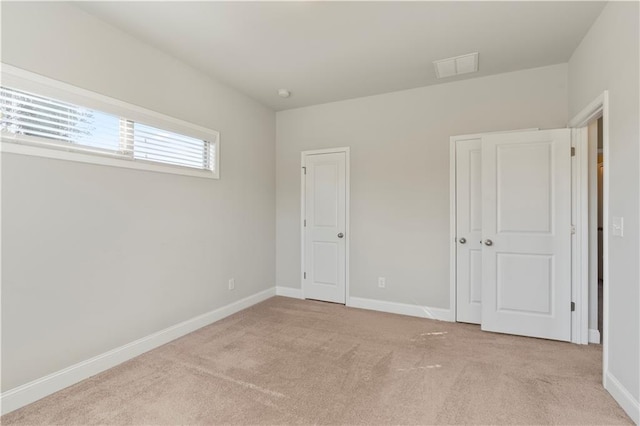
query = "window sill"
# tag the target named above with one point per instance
(12, 147)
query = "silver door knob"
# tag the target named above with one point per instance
(340, 235)
(488, 242)
(463, 240)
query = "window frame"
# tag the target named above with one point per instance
(19, 79)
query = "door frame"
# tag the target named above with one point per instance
(453, 245)
(597, 108)
(303, 156)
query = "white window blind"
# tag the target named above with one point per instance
(45, 121)
(150, 143)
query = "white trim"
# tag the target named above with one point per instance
(591, 111)
(295, 293)
(452, 211)
(303, 215)
(600, 107)
(580, 240)
(347, 151)
(35, 83)
(591, 217)
(605, 232)
(39, 388)
(327, 150)
(622, 397)
(497, 132)
(401, 308)
(1, 275)
(453, 246)
(8, 147)
(594, 336)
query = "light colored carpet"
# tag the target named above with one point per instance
(292, 361)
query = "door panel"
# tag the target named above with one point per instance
(526, 215)
(524, 169)
(469, 230)
(325, 207)
(325, 194)
(325, 262)
(475, 274)
(518, 292)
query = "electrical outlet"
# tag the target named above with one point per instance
(382, 282)
(232, 283)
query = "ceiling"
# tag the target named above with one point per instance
(329, 51)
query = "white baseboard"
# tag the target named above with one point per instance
(594, 336)
(622, 397)
(39, 388)
(400, 308)
(295, 293)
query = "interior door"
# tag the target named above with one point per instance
(469, 230)
(526, 227)
(325, 216)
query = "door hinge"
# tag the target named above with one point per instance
(305, 170)
(573, 151)
(305, 222)
(305, 275)
(573, 229)
(573, 306)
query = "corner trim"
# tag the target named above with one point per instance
(30, 392)
(295, 293)
(622, 397)
(439, 314)
(594, 336)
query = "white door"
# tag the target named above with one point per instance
(325, 214)
(526, 228)
(469, 230)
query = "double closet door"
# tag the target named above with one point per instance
(513, 233)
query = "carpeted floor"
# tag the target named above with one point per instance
(292, 361)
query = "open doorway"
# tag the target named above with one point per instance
(591, 289)
(596, 229)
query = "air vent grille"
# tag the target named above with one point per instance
(463, 64)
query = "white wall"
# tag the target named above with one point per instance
(400, 173)
(608, 59)
(95, 257)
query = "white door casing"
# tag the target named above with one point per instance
(469, 230)
(526, 222)
(325, 209)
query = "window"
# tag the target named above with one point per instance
(150, 143)
(140, 137)
(37, 117)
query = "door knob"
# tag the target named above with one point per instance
(340, 235)
(463, 240)
(488, 242)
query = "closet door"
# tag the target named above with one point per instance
(468, 230)
(325, 227)
(526, 233)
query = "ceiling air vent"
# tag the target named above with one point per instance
(458, 65)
